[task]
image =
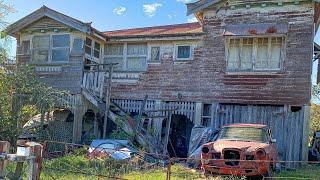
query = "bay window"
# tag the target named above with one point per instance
(254, 53)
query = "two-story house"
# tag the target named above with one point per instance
(244, 61)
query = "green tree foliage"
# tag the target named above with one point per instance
(315, 118)
(21, 96)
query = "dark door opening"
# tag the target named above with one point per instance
(179, 137)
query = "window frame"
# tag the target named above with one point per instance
(150, 56)
(254, 53)
(50, 48)
(59, 48)
(176, 49)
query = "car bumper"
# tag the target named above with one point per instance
(244, 169)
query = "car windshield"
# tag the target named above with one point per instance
(243, 134)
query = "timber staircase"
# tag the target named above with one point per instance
(95, 88)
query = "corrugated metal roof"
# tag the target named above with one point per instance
(176, 29)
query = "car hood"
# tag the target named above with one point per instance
(248, 146)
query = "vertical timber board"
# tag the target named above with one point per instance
(198, 114)
(78, 111)
(305, 133)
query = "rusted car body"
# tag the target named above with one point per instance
(240, 150)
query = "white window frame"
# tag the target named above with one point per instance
(150, 54)
(50, 48)
(183, 59)
(254, 54)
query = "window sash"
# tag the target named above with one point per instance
(155, 53)
(258, 53)
(183, 54)
(46, 52)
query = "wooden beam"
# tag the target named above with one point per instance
(108, 96)
(4, 148)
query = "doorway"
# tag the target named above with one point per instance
(179, 136)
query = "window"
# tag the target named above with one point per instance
(58, 51)
(261, 53)
(114, 54)
(183, 52)
(155, 54)
(77, 46)
(136, 57)
(88, 46)
(25, 47)
(60, 48)
(96, 52)
(41, 46)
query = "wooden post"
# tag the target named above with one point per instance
(167, 133)
(108, 95)
(95, 126)
(36, 162)
(4, 148)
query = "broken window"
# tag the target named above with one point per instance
(155, 53)
(261, 53)
(184, 52)
(41, 45)
(60, 47)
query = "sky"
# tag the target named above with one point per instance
(110, 14)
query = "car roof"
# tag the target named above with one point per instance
(246, 125)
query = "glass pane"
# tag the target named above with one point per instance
(88, 50)
(40, 42)
(96, 54)
(183, 52)
(61, 40)
(114, 49)
(40, 56)
(246, 55)
(60, 55)
(262, 54)
(88, 42)
(234, 50)
(96, 46)
(155, 53)
(275, 56)
(25, 47)
(119, 60)
(136, 64)
(137, 49)
(77, 45)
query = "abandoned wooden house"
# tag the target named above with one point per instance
(244, 61)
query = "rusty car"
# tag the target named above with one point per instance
(241, 150)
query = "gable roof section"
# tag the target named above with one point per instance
(47, 12)
(167, 30)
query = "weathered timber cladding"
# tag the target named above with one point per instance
(70, 76)
(287, 126)
(205, 79)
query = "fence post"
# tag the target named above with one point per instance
(4, 148)
(19, 167)
(35, 161)
(169, 170)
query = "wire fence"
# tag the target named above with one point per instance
(74, 161)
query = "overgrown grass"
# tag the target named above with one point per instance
(79, 167)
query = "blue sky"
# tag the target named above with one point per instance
(110, 14)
